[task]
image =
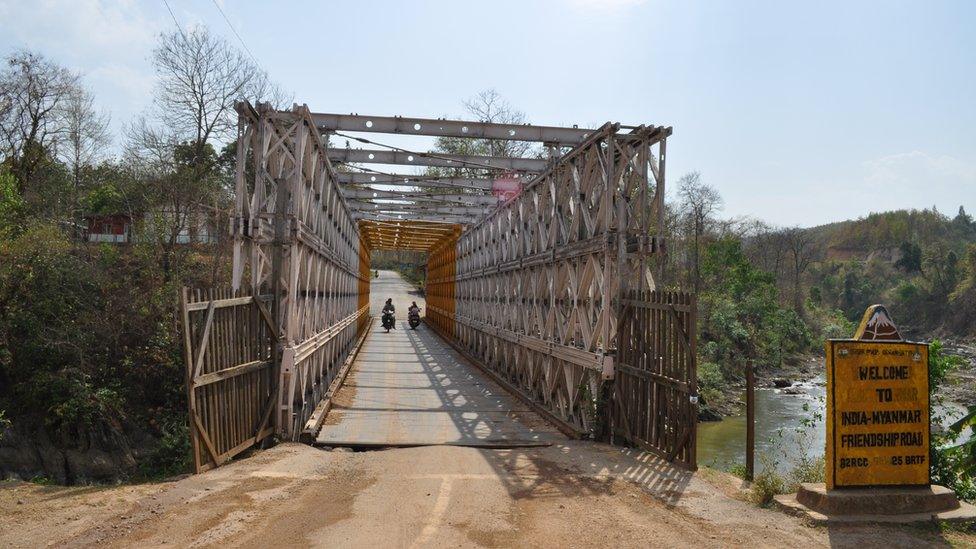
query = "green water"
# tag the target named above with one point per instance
(781, 430)
(782, 433)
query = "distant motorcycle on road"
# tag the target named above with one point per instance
(413, 318)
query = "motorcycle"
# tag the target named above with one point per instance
(389, 322)
(414, 318)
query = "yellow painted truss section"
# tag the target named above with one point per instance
(440, 287)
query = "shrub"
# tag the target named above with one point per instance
(88, 338)
(768, 482)
(806, 470)
(172, 455)
(952, 465)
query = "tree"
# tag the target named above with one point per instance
(699, 203)
(487, 106)
(768, 250)
(85, 140)
(11, 204)
(33, 96)
(200, 77)
(179, 182)
(911, 257)
(490, 106)
(799, 244)
(941, 267)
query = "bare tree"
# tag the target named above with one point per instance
(800, 247)
(177, 181)
(200, 78)
(767, 248)
(85, 140)
(490, 106)
(487, 106)
(699, 203)
(33, 93)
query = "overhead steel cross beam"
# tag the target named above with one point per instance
(439, 228)
(405, 235)
(413, 180)
(421, 196)
(375, 237)
(440, 160)
(413, 209)
(432, 127)
(449, 219)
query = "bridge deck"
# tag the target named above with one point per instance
(409, 388)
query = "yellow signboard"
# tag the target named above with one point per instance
(877, 413)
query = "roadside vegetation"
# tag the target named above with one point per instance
(91, 366)
(774, 295)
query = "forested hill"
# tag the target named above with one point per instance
(774, 295)
(886, 231)
(921, 263)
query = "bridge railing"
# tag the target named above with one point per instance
(538, 286)
(296, 240)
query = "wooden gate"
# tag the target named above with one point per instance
(656, 375)
(229, 342)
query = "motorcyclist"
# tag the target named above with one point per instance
(413, 316)
(389, 309)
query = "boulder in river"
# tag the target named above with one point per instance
(705, 413)
(782, 383)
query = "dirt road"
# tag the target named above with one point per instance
(572, 495)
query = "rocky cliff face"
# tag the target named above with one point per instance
(101, 453)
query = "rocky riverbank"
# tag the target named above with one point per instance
(731, 402)
(960, 386)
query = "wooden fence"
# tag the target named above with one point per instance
(656, 375)
(231, 378)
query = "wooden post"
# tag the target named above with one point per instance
(750, 421)
(190, 393)
(277, 260)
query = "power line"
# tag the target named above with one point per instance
(232, 29)
(175, 22)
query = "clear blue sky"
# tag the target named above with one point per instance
(798, 113)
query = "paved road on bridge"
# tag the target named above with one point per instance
(409, 388)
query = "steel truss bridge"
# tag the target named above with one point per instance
(552, 291)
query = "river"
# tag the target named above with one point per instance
(787, 427)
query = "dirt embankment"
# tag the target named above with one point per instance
(570, 495)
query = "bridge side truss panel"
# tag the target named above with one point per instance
(539, 283)
(296, 241)
(440, 285)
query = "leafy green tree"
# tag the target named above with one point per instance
(12, 206)
(741, 315)
(911, 258)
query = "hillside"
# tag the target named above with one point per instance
(921, 263)
(881, 232)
